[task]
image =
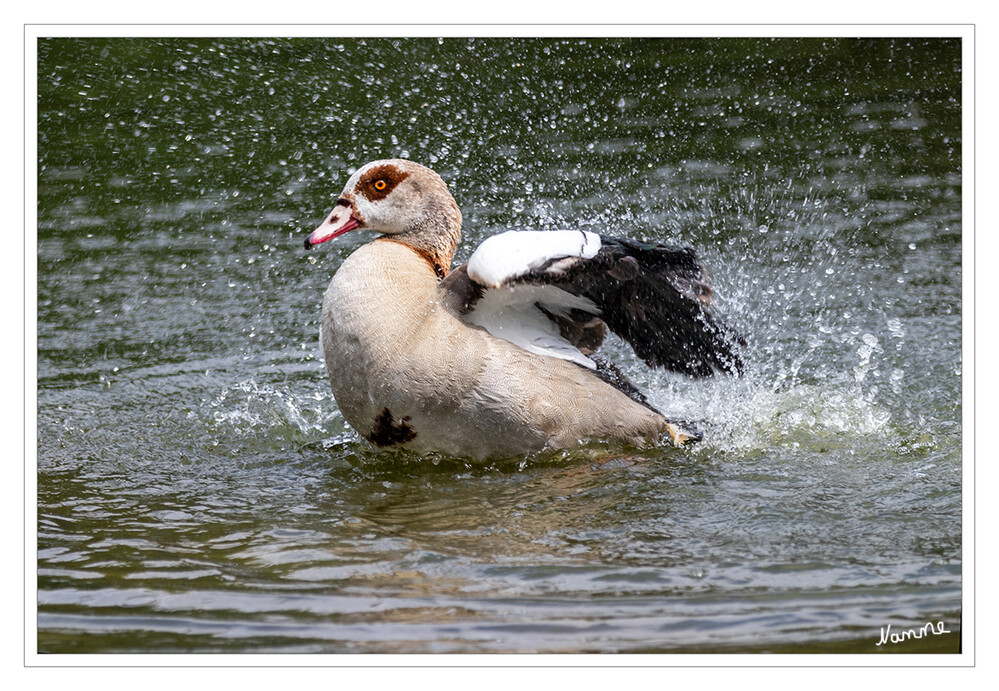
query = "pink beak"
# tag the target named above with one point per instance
(339, 222)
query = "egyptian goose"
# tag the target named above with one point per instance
(496, 359)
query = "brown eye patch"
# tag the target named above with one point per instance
(379, 182)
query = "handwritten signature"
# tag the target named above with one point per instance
(887, 635)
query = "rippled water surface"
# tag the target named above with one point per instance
(199, 491)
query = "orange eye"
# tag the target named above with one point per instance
(380, 185)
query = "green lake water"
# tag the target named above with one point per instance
(199, 491)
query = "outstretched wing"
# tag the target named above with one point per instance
(553, 292)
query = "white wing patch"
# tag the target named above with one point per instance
(516, 252)
(512, 313)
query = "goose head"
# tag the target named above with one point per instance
(397, 198)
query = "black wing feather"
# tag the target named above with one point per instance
(656, 298)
